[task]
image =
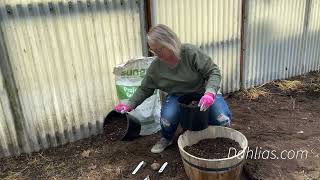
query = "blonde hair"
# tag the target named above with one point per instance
(163, 35)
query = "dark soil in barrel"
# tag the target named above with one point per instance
(116, 128)
(217, 148)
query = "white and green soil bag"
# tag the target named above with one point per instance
(128, 78)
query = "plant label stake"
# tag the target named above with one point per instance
(138, 167)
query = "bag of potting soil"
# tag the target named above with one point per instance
(128, 78)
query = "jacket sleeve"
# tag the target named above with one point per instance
(208, 69)
(145, 90)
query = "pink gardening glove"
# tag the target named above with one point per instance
(122, 108)
(206, 101)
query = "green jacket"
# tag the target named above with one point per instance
(195, 72)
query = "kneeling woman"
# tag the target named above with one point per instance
(179, 69)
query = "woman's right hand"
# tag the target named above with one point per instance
(122, 108)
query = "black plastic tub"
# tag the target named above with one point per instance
(191, 118)
(133, 127)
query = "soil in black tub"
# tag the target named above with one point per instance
(116, 128)
(216, 148)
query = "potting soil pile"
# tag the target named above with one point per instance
(216, 148)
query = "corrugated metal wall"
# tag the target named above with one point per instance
(56, 57)
(61, 55)
(281, 39)
(311, 58)
(8, 137)
(214, 26)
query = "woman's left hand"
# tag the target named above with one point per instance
(206, 101)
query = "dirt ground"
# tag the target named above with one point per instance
(281, 116)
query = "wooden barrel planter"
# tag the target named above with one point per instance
(208, 169)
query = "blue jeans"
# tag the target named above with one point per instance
(219, 115)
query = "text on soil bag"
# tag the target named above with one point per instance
(125, 92)
(134, 72)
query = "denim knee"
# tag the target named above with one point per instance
(169, 117)
(220, 114)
